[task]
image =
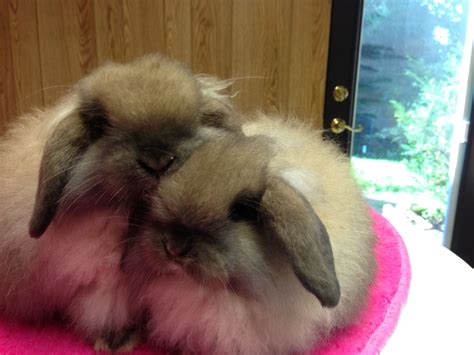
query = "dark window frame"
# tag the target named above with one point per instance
(343, 58)
(462, 242)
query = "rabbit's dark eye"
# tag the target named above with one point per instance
(157, 165)
(242, 213)
(244, 209)
(166, 162)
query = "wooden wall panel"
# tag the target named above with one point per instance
(143, 27)
(67, 44)
(261, 53)
(275, 49)
(212, 37)
(178, 30)
(109, 30)
(309, 51)
(25, 54)
(8, 98)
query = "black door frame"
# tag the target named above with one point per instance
(343, 62)
(462, 242)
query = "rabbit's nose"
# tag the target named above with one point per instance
(175, 249)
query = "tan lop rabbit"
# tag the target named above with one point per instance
(73, 176)
(258, 244)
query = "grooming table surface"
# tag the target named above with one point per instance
(438, 317)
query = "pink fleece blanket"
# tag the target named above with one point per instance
(368, 336)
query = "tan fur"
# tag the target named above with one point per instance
(233, 290)
(322, 173)
(73, 268)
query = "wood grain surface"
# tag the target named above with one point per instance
(143, 24)
(308, 61)
(8, 98)
(178, 30)
(25, 54)
(275, 49)
(109, 22)
(67, 42)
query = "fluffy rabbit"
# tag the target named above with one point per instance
(76, 173)
(259, 244)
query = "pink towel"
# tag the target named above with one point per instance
(386, 300)
(377, 322)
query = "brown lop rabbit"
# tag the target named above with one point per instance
(258, 244)
(72, 175)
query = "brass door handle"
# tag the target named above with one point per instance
(338, 125)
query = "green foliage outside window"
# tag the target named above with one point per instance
(420, 102)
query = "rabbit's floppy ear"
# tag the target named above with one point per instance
(62, 151)
(288, 216)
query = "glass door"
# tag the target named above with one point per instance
(413, 72)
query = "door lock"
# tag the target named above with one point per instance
(340, 93)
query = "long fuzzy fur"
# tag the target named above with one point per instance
(278, 316)
(322, 173)
(40, 278)
(74, 268)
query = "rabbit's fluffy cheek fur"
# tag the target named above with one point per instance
(67, 246)
(96, 298)
(234, 258)
(239, 298)
(62, 275)
(212, 319)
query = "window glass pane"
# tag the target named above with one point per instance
(410, 88)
